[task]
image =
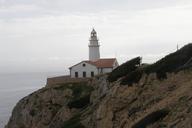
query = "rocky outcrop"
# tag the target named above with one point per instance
(151, 103)
(132, 96)
(50, 107)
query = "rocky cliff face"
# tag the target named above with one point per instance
(50, 107)
(132, 96)
(150, 103)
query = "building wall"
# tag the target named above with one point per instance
(88, 68)
(108, 70)
(105, 70)
(64, 79)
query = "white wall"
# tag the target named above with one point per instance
(90, 68)
(108, 70)
(105, 70)
(94, 52)
(80, 69)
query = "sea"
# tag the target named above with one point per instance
(15, 86)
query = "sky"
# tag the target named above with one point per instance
(52, 35)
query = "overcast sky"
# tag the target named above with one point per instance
(52, 35)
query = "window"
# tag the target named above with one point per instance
(92, 74)
(84, 74)
(84, 65)
(76, 74)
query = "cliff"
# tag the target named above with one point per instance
(49, 107)
(132, 96)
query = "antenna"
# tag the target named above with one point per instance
(177, 47)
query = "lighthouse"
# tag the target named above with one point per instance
(95, 65)
(94, 52)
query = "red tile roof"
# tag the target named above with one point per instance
(100, 63)
(103, 63)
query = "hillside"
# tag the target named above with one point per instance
(150, 96)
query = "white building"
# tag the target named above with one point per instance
(94, 65)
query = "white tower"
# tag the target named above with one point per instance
(94, 53)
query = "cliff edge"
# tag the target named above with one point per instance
(133, 96)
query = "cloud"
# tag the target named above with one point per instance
(19, 8)
(33, 8)
(37, 35)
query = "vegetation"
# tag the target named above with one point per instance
(74, 122)
(132, 77)
(81, 93)
(124, 69)
(173, 62)
(80, 102)
(151, 118)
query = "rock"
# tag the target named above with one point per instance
(47, 107)
(111, 105)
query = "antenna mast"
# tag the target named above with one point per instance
(177, 47)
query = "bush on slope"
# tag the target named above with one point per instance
(124, 69)
(170, 63)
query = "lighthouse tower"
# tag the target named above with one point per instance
(94, 53)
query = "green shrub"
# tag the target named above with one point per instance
(81, 89)
(81, 93)
(124, 69)
(171, 63)
(132, 77)
(77, 88)
(80, 102)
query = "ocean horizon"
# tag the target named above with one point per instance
(15, 86)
